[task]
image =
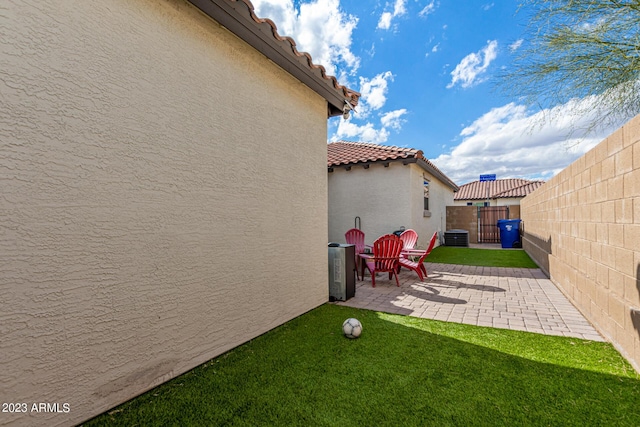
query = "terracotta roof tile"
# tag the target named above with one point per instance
(520, 191)
(351, 153)
(345, 152)
(267, 29)
(351, 95)
(500, 188)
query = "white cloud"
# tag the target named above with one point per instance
(399, 9)
(488, 6)
(385, 21)
(393, 119)
(469, 71)
(513, 142)
(373, 93)
(428, 10)
(373, 99)
(515, 45)
(320, 28)
(365, 133)
(368, 132)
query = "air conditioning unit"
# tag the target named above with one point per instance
(456, 238)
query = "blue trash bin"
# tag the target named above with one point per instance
(509, 233)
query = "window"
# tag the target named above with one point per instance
(425, 184)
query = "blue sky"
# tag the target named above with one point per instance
(427, 71)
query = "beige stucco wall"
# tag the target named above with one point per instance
(163, 199)
(583, 228)
(385, 198)
(474, 202)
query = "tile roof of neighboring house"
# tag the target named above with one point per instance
(346, 153)
(500, 188)
(238, 16)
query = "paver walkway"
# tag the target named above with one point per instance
(509, 298)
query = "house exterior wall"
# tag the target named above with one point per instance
(148, 221)
(380, 196)
(385, 199)
(473, 202)
(583, 228)
(440, 196)
(506, 201)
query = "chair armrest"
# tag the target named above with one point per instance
(413, 252)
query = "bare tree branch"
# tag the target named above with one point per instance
(579, 48)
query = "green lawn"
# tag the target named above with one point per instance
(402, 371)
(481, 257)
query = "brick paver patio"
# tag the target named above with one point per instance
(509, 298)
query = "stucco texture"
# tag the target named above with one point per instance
(163, 199)
(583, 228)
(385, 199)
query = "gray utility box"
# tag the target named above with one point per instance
(342, 272)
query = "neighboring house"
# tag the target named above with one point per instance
(382, 188)
(501, 192)
(164, 195)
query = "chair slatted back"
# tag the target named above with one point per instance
(386, 252)
(355, 237)
(432, 243)
(409, 238)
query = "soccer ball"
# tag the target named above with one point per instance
(352, 328)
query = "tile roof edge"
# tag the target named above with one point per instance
(407, 153)
(413, 155)
(433, 170)
(244, 23)
(497, 195)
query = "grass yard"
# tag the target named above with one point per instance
(402, 371)
(481, 257)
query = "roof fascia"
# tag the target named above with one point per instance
(367, 164)
(426, 166)
(260, 36)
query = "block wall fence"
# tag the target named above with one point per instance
(466, 218)
(463, 218)
(583, 228)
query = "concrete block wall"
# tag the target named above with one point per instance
(514, 211)
(583, 228)
(463, 218)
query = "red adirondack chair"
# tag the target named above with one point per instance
(355, 236)
(386, 255)
(409, 239)
(418, 265)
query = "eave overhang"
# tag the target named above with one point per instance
(239, 18)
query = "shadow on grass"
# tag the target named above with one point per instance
(401, 371)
